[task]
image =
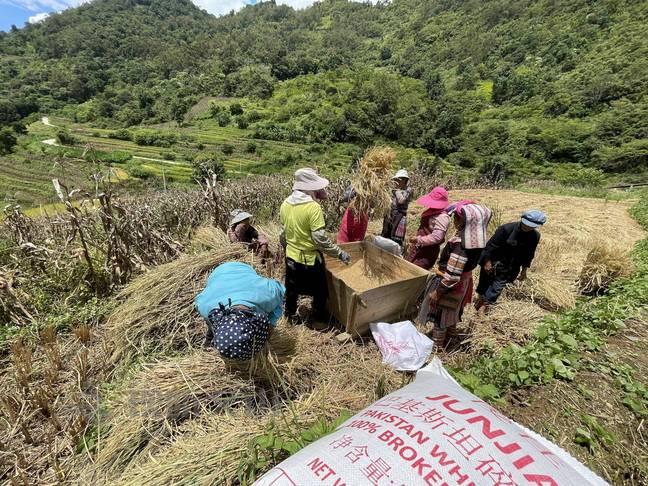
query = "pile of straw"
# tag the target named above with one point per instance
(372, 181)
(167, 399)
(509, 321)
(549, 292)
(602, 266)
(214, 449)
(209, 238)
(157, 314)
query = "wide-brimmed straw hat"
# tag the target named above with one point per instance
(401, 174)
(239, 215)
(437, 198)
(307, 179)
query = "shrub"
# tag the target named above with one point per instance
(206, 165)
(242, 122)
(154, 138)
(253, 116)
(251, 147)
(227, 149)
(223, 119)
(236, 109)
(169, 156)
(64, 137)
(121, 134)
(7, 140)
(136, 170)
(580, 176)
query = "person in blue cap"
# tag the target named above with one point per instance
(507, 256)
(241, 309)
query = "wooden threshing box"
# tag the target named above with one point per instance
(376, 286)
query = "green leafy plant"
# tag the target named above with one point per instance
(281, 440)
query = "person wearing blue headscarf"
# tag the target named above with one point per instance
(507, 256)
(241, 308)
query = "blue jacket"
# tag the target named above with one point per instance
(240, 283)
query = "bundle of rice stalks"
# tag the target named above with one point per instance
(602, 266)
(216, 449)
(372, 181)
(300, 364)
(157, 313)
(165, 394)
(509, 321)
(549, 292)
(210, 238)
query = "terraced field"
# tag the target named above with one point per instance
(27, 178)
(25, 175)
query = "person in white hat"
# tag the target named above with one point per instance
(395, 223)
(304, 238)
(241, 231)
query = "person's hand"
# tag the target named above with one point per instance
(345, 257)
(413, 240)
(434, 297)
(488, 266)
(523, 275)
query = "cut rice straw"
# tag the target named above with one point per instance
(509, 321)
(372, 180)
(157, 314)
(602, 266)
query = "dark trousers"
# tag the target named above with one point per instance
(491, 284)
(304, 279)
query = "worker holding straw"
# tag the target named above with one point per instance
(241, 231)
(305, 239)
(354, 223)
(241, 308)
(450, 290)
(426, 244)
(507, 256)
(395, 223)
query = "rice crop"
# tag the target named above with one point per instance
(372, 181)
(603, 264)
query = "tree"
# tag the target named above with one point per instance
(7, 140)
(208, 165)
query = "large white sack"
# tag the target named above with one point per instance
(401, 345)
(431, 432)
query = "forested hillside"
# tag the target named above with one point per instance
(503, 87)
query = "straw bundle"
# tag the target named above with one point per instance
(157, 314)
(212, 450)
(371, 181)
(210, 238)
(549, 292)
(509, 321)
(602, 266)
(164, 395)
(300, 365)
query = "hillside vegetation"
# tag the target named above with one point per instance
(506, 90)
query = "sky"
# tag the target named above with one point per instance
(17, 12)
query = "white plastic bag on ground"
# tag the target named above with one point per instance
(431, 432)
(401, 345)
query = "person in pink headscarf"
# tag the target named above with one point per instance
(425, 246)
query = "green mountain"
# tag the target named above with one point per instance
(505, 87)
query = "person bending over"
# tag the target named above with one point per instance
(241, 309)
(507, 256)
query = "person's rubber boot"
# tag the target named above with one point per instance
(320, 321)
(439, 337)
(479, 303)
